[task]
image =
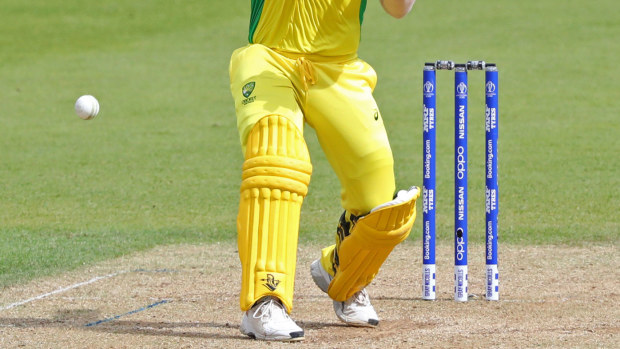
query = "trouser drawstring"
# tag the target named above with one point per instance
(306, 71)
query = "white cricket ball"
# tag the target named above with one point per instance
(87, 107)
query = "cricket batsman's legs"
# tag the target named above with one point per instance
(351, 132)
(275, 178)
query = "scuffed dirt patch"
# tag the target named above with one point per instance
(187, 297)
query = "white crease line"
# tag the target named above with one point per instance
(60, 290)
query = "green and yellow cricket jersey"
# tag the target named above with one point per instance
(318, 27)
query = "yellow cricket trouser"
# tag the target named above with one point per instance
(334, 97)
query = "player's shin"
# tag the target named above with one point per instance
(276, 174)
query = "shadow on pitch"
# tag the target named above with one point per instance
(146, 328)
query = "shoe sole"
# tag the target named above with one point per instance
(372, 323)
(320, 277)
(293, 336)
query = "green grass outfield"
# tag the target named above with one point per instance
(161, 163)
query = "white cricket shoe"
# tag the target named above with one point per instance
(355, 311)
(268, 320)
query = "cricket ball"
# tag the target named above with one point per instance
(87, 107)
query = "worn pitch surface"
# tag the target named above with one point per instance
(186, 296)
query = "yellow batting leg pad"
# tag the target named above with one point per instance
(373, 237)
(275, 179)
(327, 257)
